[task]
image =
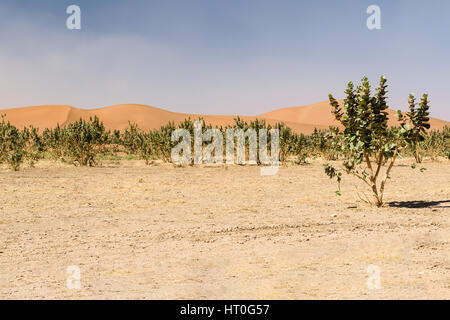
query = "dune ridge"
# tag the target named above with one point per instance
(301, 119)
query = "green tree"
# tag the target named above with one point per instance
(83, 141)
(416, 122)
(163, 142)
(13, 144)
(371, 146)
(139, 142)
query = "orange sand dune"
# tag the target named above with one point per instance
(300, 119)
(319, 115)
(147, 117)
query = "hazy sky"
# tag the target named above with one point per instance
(220, 56)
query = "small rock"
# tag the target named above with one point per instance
(334, 215)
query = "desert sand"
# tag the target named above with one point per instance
(159, 232)
(300, 119)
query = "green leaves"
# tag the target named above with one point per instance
(368, 139)
(138, 142)
(13, 143)
(333, 173)
(415, 124)
(388, 147)
(337, 111)
(82, 141)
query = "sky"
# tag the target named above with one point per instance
(220, 56)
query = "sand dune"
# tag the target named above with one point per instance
(301, 119)
(319, 115)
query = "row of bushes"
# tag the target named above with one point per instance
(84, 142)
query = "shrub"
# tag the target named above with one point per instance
(163, 142)
(367, 139)
(83, 141)
(287, 142)
(53, 141)
(129, 138)
(417, 121)
(13, 144)
(138, 142)
(35, 144)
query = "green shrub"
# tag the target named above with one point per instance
(35, 144)
(163, 142)
(368, 141)
(13, 143)
(83, 141)
(417, 121)
(138, 142)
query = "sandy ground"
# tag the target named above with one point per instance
(158, 232)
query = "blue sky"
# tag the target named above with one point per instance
(220, 56)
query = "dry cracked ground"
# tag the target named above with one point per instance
(159, 232)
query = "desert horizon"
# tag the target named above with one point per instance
(302, 119)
